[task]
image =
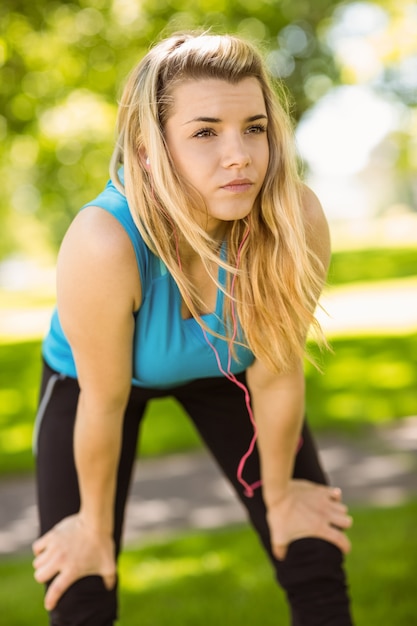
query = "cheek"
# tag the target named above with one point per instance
(180, 162)
(195, 165)
(265, 160)
(192, 168)
(183, 155)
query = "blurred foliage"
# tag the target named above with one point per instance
(62, 65)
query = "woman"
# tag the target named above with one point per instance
(195, 274)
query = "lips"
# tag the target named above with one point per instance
(238, 185)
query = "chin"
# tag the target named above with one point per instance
(230, 214)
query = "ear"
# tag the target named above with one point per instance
(143, 157)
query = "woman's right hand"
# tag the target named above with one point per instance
(69, 551)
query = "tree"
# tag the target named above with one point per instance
(61, 68)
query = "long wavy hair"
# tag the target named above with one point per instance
(273, 278)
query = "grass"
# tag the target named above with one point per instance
(372, 265)
(222, 577)
(367, 380)
(20, 367)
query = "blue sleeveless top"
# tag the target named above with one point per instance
(168, 350)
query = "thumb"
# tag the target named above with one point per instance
(280, 551)
(109, 581)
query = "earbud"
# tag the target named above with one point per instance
(147, 162)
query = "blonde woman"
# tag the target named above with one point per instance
(194, 274)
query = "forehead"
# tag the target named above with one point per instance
(212, 97)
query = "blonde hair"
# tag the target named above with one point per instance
(278, 277)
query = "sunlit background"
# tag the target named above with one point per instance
(351, 67)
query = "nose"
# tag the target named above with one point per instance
(235, 152)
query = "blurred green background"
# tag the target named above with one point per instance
(62, 65)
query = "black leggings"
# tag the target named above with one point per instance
(312, 574)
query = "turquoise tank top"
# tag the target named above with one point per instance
(168, 350)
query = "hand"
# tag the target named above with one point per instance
(72, 550)
(307, 509)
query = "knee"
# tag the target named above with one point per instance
(314, 579)
(309, 560)
(86, 603)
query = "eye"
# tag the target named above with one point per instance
(256, 129)
(204, 132)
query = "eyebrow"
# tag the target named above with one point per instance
(217, 120)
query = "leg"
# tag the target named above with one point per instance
(312, 574)
(87, 601)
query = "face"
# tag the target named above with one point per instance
(217, 138)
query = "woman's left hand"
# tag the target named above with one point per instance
(307, 509)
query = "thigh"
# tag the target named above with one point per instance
(218, 410)
(57, 486)
(57, 482)
(312, 574)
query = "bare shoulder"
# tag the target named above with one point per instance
(95, 231)
(96, 249)
(98, 289)
(317, 228)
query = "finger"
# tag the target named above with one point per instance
(47, 570)
(338, 507)
(336, 494)
(56, 589)
(40, 544)
(339, 539)
(41, 559)
(342, 521)
(45, 573)
(48, 552)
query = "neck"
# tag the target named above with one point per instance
(218, 235)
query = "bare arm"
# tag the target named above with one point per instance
(98, 291)
(97, 295)
(278, 406)
(295, 508)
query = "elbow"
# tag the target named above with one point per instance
(261, 380)
(104, 402)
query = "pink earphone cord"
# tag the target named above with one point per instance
(249, 489)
